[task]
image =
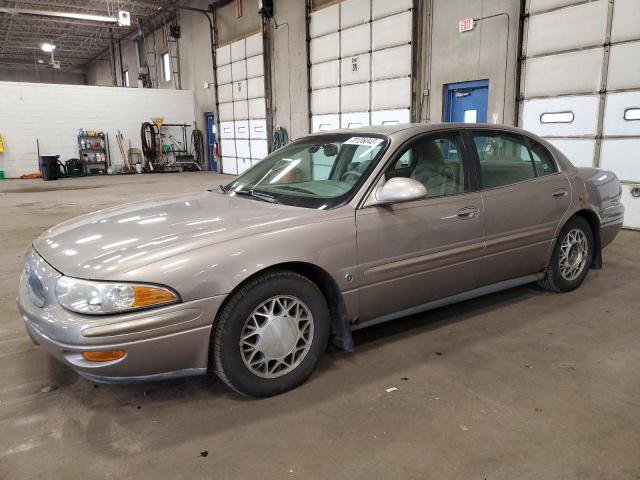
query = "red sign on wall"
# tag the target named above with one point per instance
(466, 25)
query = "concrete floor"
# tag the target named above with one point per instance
(518, 385)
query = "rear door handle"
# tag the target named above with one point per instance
(467, 213)
(560, 193)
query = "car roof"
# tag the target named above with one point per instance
(417, 128)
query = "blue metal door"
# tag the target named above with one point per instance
(466, 102)
(211, 140)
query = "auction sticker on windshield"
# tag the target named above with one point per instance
(368, 141)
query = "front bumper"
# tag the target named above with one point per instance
(165, 342)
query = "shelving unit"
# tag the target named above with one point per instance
(94, 152)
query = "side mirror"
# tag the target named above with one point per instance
(399, 189)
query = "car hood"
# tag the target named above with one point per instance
(110, 242)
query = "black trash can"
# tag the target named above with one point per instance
(49, 167)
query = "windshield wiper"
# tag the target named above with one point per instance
(221, 189)
(257, 195)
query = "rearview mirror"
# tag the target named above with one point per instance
(400, 189)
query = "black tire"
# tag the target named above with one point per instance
(554, 280)
(227, 356)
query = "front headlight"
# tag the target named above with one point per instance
(97, 298)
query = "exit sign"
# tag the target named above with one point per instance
(466, 25)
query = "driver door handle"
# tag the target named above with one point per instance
(467, 213)
(560, 193)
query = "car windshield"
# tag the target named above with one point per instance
(323, 171)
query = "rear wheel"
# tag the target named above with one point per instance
(572, 257)
(271, 334)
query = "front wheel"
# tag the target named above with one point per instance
(271, 334)
(572, 257)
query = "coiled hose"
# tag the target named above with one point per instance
(148, 136)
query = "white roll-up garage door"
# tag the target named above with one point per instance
(360, 54)
(241, 99)
(581, 85)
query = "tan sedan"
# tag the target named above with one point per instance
(331, 233)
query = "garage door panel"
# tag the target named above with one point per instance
(226, 111)
(543, 5)
(384, 8)
(244, 164)
(544, 116)
(255, 66)
(354, 12)
(626, 18)
(391, 31)
(355, 40)
(579, 26)
(228, 147)
(259, 149)
(240, 110)
(240, 90)
(325, 123)
(361, 74)
(614, 114)
(579, 152)
(223, 55)
(624, 65)
(566, 73)
(226, 130)
(324, 48)
(391, 94)
(239, 70)
(224, 74)
(229, 165)
(325, 101)
(326, 74)
(621, 157)
(253, 45)
(241, 128)
(225, 93)
(255, 87)
(390, 117)
(355, 98)
(257, 128)
(242, 149)
(257, 108)
(354, 120)
(238, 50)
(324, 21)
(632, 207)
(391, 62)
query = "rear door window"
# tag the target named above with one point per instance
(504, 159)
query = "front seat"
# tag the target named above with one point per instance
(430, 170)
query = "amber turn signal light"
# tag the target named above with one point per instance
(147, 296)
(106, 356)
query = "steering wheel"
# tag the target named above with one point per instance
(350, 172)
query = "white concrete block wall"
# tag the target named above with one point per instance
(55, 113)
